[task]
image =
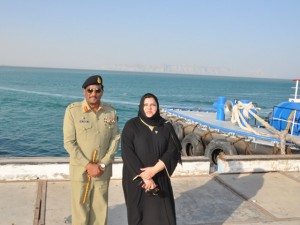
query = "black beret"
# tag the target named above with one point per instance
(95, 79)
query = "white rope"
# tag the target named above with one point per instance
(249, 108)
(237, 117)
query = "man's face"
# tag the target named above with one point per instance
(150, 107)
(93, 94)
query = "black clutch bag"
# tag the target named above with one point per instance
(139, 182)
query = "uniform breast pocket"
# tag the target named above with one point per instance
(84, 127)
(107, 131)
(109, 122)
(111, 126)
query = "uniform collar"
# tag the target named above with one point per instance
(86, 107)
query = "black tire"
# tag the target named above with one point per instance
(178, 127)
(215, 147)
(192, 145)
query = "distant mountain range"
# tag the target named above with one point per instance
(181, 69)
(167, 68)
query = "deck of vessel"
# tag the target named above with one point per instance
(208, 118)
(248, 198)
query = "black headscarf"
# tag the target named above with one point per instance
(156, 119)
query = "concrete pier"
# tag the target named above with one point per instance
(202, 198)
(254, 198)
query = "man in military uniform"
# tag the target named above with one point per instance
(91, 137)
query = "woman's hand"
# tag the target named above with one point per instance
(149, 172)
(149, 184)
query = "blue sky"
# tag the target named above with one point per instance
(257, 37)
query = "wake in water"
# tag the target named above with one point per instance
(38, 93)
(65, 96)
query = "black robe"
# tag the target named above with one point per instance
(141, 148)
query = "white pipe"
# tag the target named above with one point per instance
(296, 90)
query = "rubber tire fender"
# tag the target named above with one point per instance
(215, 147)
(178, 127)
(192, 145)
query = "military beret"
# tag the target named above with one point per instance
(95, 79)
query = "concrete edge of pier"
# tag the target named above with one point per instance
(57, 168)
(258, 163)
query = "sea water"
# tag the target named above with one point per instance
(33, 100)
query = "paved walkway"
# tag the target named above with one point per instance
(257, 198)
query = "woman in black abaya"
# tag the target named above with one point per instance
(150, 153)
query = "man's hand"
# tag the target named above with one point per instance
(94, 170)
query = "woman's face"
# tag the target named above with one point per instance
(150, 107)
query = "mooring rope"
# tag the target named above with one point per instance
(238, 117)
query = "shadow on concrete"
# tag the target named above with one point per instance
(205, 200)
(117, 215)
(222, 198)
(68, 219)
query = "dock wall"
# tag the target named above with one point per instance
(57, 168)
(258, 163)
